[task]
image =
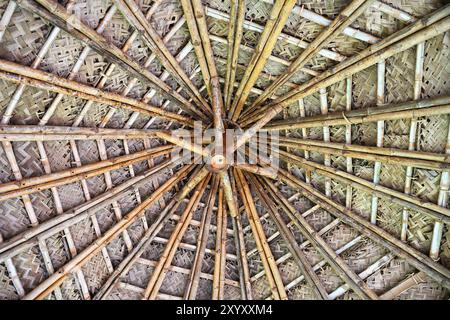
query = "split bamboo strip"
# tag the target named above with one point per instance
(278, 17)
(311, 277)
(335, 261)
(346, 17)
(272, 272)
(47, 286)
(57, 14)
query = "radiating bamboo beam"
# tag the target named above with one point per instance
(62, 133)
(380, 236)
(228, 193)
(28, 238)
(335, 261)
(346, 17)
(220, 251)
(275, 23)
(194, 277)
(58, 15)
(364, 59)
(356, 149)
(29, 185)
(311, 277)
(412, 202)
(235, 32)
(47, 81)
(410, 109)
(262, 171)
(161, 269)
(253, 26)
(47, 286)
(133, 14)
(272, 272)
(321, 20)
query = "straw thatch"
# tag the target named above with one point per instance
(94, 204)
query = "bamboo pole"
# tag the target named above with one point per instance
(228, 193)
(43, 80)
(361, 63)
(29, 237)
(346, 17)
(268, 172)
(272, 272)
(311, 277)
(235, 32)
(57, 14)
(390, 153)
(414, 257)
(411, 109)
(136, 18)
(29, 185)
(278, 17)
(412, 202)
(194, 278)
(64, 133)
(161, 268)
(335, 261)
(399, 40)
(220, 251)
(409, 282)
(47, 286)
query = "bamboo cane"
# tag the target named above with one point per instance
(21, 74)
(47, 286)
(311, 277)
(414, 257)
(414, 203)
(137, 19)
(57, 14)
(278, 17)
(346, 17)
(272, 272)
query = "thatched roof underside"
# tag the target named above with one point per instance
(92, 206)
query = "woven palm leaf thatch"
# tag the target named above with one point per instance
(96, 202)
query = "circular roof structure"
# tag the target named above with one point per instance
(224, 149)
